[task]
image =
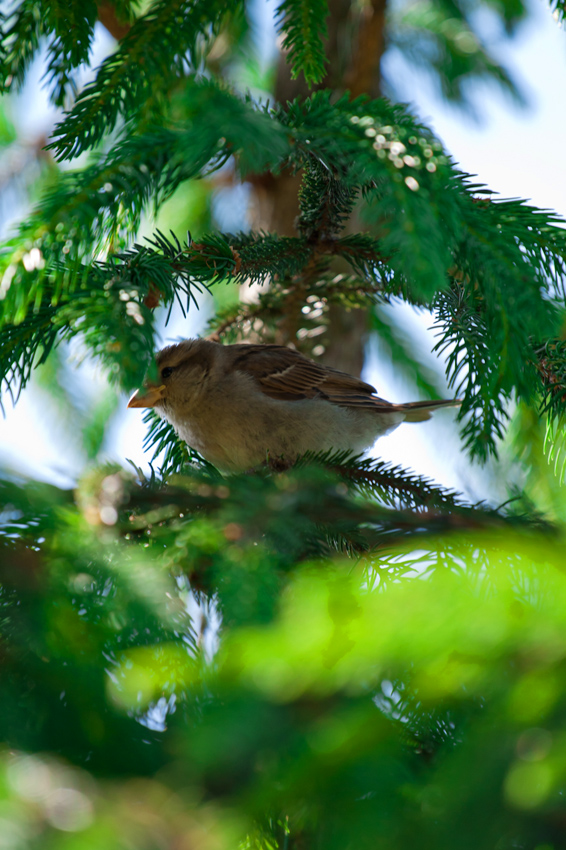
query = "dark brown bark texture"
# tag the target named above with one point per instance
(354, 47)
(108, 18)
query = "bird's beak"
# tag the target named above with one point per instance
(148, 397)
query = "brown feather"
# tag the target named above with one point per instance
(283, 373)
(286, 375)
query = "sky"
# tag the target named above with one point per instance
(516, 152)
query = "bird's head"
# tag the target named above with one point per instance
(182, 372)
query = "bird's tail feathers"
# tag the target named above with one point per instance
(420, 411)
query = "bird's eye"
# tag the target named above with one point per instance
(167, 371)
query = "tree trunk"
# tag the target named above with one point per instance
(354, 47)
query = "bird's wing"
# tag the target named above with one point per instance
(284, 374)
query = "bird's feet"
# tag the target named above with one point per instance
(277, 463)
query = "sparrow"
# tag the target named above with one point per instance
(240, 405)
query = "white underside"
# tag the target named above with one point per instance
(237, 437)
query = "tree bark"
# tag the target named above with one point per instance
(354, 47)
(108, 18)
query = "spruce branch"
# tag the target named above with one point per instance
(260, 255)
(505, 293)
(106, 199)
(559, 9)
(403, 173)
(164, 42)
(389, 484)
(107, 306)
(119, 294)
(303, 26)
(69, 30)
(23, 347)
(269, 505)
(325, 203)
(65, 28)
(555, 445)
(73, 25)
(362, 251)
(85, 213)
(551, 366)
(472, 368)
(433, 233)
(426, 211)
(177, 456)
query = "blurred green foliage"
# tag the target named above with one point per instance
(412, 693)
